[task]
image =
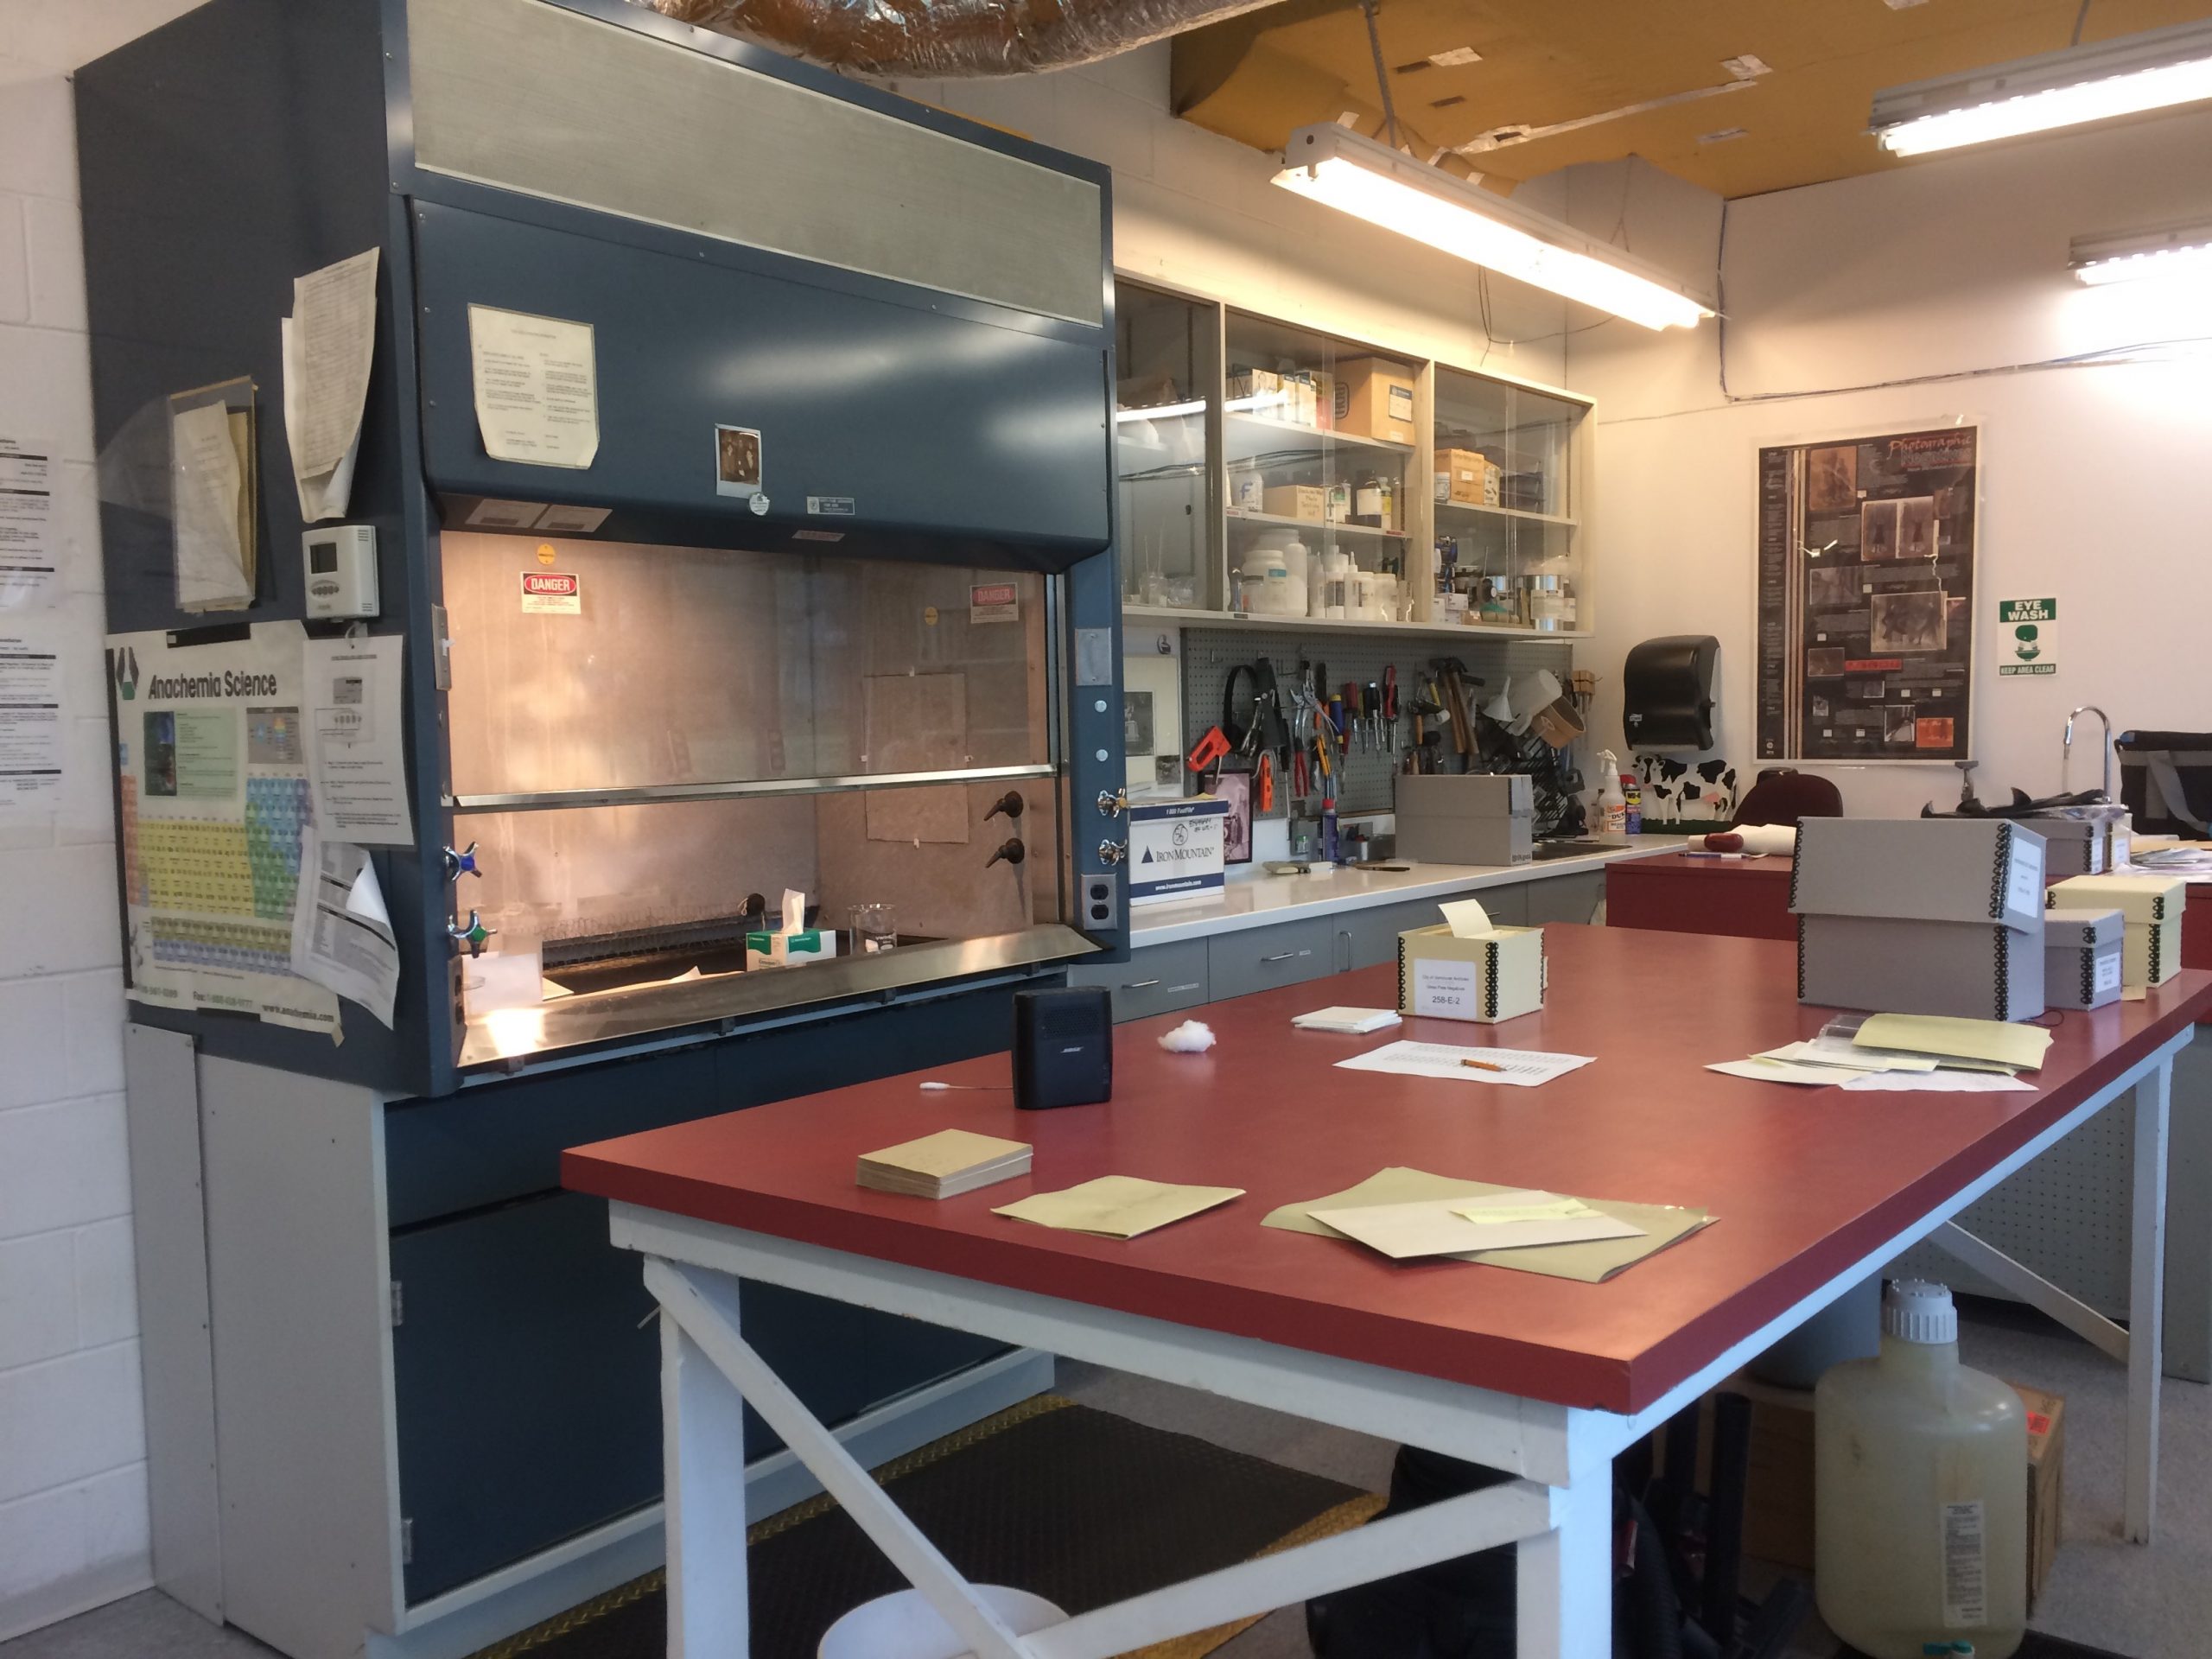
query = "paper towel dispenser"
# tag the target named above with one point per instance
(1666, 693)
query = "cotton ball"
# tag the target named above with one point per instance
(1191, 1037)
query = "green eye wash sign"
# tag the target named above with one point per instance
(2027, 636)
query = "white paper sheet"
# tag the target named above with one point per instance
(1523, 1068)
(30, 727)
(333, 343)
(1840, 1055)
(1945, 1082)
(357, 765)
(536, 387)
(323, 496)
(1356, 1022)
(341, 934)
(30, 575)
(206, 482)
(1763, 1069)
(1468, 919)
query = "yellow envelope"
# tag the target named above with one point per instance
(1590, 1263)
(946, 1152)
(1116, 1206)
(2019, 1046)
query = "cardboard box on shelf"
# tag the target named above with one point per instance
(1466, 478)
(1778, 1502)
(1258, 390)
(1374, 400)
(1303, 501)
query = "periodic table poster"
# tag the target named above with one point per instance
(1866, 596)
(211, 779)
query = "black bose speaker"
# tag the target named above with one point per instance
(1063, 1047)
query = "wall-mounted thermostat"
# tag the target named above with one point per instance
(341, 566)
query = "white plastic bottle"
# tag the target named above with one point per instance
(1612, 804)
(1920, 1505)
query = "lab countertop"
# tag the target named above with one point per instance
(1254, 899)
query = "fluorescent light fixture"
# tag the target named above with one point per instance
(2182, 249)
(1341, 169)
(2128, 75)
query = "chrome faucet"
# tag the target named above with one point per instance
(2105, 721)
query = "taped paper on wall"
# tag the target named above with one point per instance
(30, 575)
(323, 495)
(341, 933)
(537, 381)
(207, 495)
(30, 727)
(213, 808)
(332, 343)
(357, 765)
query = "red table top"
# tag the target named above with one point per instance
(1775, 867)
(1805, 1182)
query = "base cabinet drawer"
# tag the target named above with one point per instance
(1159, 979)
(1565, 898)
(1262, 958)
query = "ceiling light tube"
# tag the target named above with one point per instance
(2182, 249)
(1341, 169)
(2128, 75)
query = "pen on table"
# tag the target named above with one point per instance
(1483, 1065)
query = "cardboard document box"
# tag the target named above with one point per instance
(1374, 400)
(1920, 916)
(2082, 951)
(1176, 849)
(2152, 905)
(1485, 979)
(1466, 818)
(2071, 846)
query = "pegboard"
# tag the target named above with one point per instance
(1209, 654)
(2067, 1215)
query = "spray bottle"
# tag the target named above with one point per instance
(1612, 804)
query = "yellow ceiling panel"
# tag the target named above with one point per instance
(1588, 66)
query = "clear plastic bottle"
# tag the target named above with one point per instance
(1920, 1506)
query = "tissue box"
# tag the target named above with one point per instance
(1466, 818)
(1920, 916)
(2151, 907)
(1493, 977)
(2081, 957)
(783, 949)
(1177, 848)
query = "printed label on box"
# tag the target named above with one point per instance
(1445, 988)
(2024, 888)
(2109, 972)
(552, 592)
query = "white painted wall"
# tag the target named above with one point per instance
(2096, 487)
(1195, 211)
(72, 1476)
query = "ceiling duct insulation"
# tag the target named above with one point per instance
(951, 39)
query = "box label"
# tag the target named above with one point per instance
(2107, 975)
(2024, 888)
(2027, 637)
(1965, 1566)
(552, 592)
(1402, 403)
(1444, 990)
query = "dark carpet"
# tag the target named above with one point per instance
(1079, 1506)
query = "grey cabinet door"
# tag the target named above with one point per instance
(1565, 898)
(1261, 959)
(1158, 979)
(1369, 938)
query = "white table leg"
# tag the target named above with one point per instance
(1565, 1581)
(703, 1440)
(2146, 1299)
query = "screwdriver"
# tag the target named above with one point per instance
(1374, 714)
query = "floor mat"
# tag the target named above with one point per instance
(1080, 1506)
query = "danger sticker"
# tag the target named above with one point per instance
(994, 601)
(552, 592)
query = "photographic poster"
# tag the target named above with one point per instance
(1866, 596)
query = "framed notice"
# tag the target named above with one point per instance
(1867, 597)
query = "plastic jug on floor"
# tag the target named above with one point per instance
(1920, 1498)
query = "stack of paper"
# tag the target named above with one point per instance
(944, 1165)
(1117, 1206)
(1518, 1068)
(1496, 1226)
(1900, 1053)
(1356, 1022)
